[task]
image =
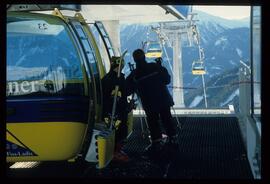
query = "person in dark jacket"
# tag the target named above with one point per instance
(149, 82)
(109, 82)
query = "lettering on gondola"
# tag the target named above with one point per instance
(50, 80)
(21, 87)
(14, 150)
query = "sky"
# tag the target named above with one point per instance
(227, 12)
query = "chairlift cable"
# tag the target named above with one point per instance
(204, 91)
(168, 60)
(201, 59)
(164, 49)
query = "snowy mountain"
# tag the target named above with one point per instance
(222, 52)
(224, 41)
(205, 19)
(221, 91)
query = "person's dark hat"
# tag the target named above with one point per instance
(138, 55)
(115, 61)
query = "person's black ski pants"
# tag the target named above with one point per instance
(167, 122)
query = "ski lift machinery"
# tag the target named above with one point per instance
(54, 96)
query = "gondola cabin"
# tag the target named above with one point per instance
(153, 50)
(198, 68)
(53, 91)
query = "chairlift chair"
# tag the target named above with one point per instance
(198, 68)
(153, 50)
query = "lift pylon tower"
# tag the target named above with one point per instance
(178, 33)
(174, 31)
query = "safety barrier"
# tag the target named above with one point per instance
(139, 112)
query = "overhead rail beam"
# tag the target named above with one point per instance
(131, 14)
(173, 11)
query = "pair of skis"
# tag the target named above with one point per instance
(116, 89)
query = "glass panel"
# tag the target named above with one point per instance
(88, 49)
(154, 46)
(106, 38)
(101, 45)
(41, 58)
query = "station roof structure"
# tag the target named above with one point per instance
(124, 13)
(132, 13)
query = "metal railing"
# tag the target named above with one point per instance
(181, 111)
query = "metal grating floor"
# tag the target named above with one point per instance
(209, 148)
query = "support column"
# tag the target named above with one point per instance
(113, 29)
(244, 92)
(178, 94)
(252, 137)
(244, 104)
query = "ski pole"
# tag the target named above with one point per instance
(140, 114)
(178, 122)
